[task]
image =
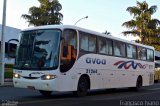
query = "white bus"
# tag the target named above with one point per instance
(68, 58)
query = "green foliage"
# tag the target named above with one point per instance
(142, 24)
(9, 65)
(46, 14)
(153, 41)
(8, 74)
(107, 33)
(8, 71)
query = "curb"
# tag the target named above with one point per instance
(7, 83)
(8, 80)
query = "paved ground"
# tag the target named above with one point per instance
(120, 97)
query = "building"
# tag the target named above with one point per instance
(10, 33)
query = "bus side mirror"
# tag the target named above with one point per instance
(11, 50)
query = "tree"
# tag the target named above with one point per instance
(142, 24)
(107, 33)
(46, 14)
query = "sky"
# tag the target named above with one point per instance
(102, 14)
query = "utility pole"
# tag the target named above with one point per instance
(2, 60)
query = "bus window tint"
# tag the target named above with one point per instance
(92, 43)
(131, 51)
(104, 46)
(109, 47)
(119, 49)
(141, 53)
(87, 42)
(83, 41)
(150, 55)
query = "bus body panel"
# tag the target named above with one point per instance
(62, 82)
(26, 80)
(104, 71)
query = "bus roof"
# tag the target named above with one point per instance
(87, 31)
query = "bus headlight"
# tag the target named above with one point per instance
(48, 77)
(15, 75)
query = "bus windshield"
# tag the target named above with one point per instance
(38, 49)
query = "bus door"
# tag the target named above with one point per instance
(68, 50)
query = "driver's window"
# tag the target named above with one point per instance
(68, 49)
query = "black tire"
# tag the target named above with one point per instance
(155, 81)
(82, 87)
(45, 93)
(139, 84)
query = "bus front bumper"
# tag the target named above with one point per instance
(37, 84)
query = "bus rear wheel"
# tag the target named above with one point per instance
(82, 88)
(139, 84)
(155, 81)
(45, 93)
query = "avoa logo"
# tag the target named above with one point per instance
(95, 61)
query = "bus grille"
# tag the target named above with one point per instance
(31, 77)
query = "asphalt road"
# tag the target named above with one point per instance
(148, 96)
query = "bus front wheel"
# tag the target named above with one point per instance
(45, 93)
(82, 88)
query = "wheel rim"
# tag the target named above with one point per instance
(83, 85)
